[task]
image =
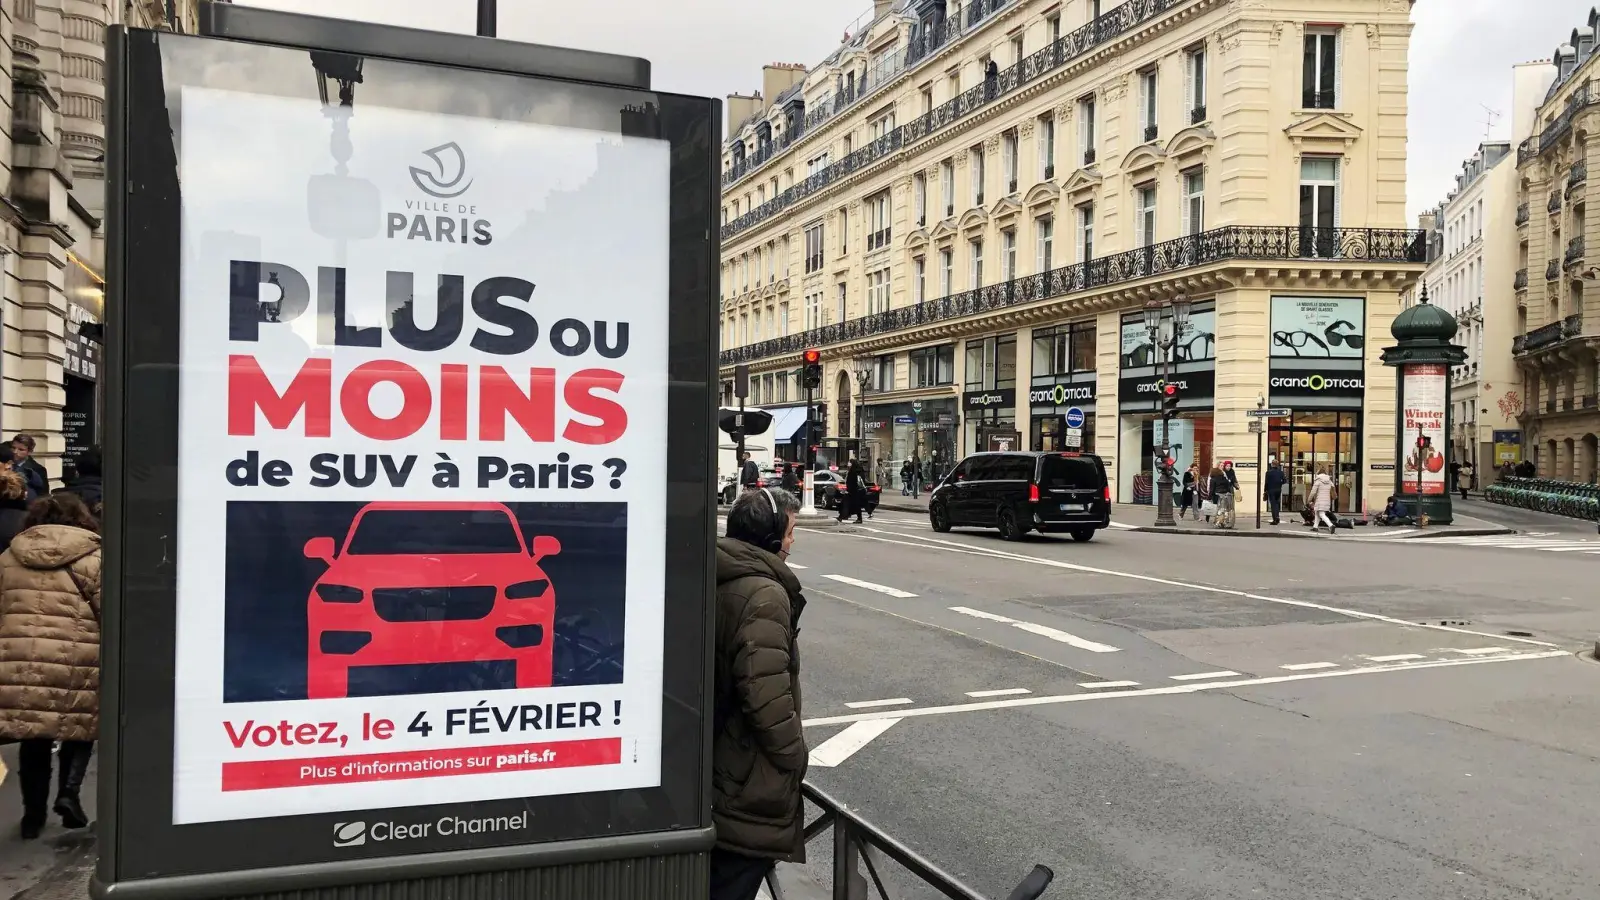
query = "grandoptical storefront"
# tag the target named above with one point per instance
(1317, 370)
(1062, 398)
(989, 397)
(1139, 392)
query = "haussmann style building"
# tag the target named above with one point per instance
(970, 209)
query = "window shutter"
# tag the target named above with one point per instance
(1187, 201)
(1338, 76)
(1188, 81)
(1338, 189)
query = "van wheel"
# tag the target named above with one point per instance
(1083, 535)
(1009, 529)
(939, 518)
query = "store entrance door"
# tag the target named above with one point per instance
(1328, 441)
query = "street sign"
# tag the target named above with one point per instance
(916, 406)
(1272, 412)
(1074, 418)
(1255, 426)
(1074, 437)
(905, 420)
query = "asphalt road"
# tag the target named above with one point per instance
(1176, 717)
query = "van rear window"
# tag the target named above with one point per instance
(1068, 472)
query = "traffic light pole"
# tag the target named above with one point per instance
(1163, 470)
(808, 491)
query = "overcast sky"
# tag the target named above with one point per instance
(1461, 52)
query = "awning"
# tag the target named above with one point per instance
(787, 424)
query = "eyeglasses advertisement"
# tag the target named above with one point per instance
(1197, 343)
(1318, 327)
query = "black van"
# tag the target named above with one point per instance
(1022, 492)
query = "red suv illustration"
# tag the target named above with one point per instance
(430, 585)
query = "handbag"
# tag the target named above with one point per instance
(1208, 508)
(1238, 496)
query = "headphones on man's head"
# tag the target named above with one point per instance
(772, 542)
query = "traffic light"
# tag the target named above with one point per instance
(820, 422)
(811, 375)
(1169, 399)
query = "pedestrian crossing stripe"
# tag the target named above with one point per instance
(1507, 542)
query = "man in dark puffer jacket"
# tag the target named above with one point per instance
(758, 750)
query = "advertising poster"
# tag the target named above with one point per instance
(1426, 389)
(1319, 327)
(421, 480)
(1197, 343)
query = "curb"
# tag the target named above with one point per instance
(1461, 532)
(1302, 535)
(821, 520)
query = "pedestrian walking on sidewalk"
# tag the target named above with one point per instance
(50, 654)
(1187, 498)
(1467, 474)
(855, 493)
(1222, 496)
(1322, 502)
(758, 755)
(1275, 481)
(905, 478)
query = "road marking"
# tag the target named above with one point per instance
(867, 585)
(869, 704)
(1002, 692)
(928, 543)
(1054, 634)
(795, 565)
(1395, 657)
(1091, 685)
(1193, 688)
(1202, 675)
(844, 745)
(1308, 667)
(1120, 525)
(1479, 651)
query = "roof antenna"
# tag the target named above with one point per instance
(1491, 116)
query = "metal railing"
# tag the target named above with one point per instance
(1232, 242)
(1319, 100)
(857, 843)
(1197, 115)
(1572, 326)
(1555, 202)
(1522, 214)
(1531, 148)
(1574, 251)
(1578, 174)
(1540, 337)
(1089, 157)
(1520, 282)
(1123, 18)
(1151, 132)
(1552, 269)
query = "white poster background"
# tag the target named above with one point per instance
(1197, 344)
(1320, 318)
(581, 214)
(1426, 391)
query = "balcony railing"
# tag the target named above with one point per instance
(1574, 251)
(1572, 326)
(1319, 100)
(1123, 18)
(1540, 337)
(1151, 132)
(1233, 242)
(1522, 214)
(1520, 283)
(1049, 171)
(1089, 157)
(1531, 148)
(1555, 202)
(1578, 174)
(877, 240)
(1197, 115)
(1552, 270)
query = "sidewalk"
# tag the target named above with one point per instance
(58, 865)
(1471, 520)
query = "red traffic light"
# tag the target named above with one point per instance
(812, 357)
(1171, 390)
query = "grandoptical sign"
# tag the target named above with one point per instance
(1062, 394)
(1287, 382)
(1191, 386)
(1001, 398)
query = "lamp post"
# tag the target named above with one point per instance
(862, 369)
(1165, 341)
(488, 18)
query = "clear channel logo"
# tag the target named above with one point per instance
(451, 164)
(1319, 383)
(357, 834)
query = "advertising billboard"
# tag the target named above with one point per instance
(391, 387)
(1197, 343)
(1318, 327)
(1426, 389)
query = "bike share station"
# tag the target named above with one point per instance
(408, 579)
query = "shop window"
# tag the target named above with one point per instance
(992, 363)
(1064, 349)
(933, 366)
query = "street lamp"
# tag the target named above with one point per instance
(1165, 342)
(862, 366)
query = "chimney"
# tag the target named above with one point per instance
(779, 77)
(880, 8)
(1428, 222)
(740, 108)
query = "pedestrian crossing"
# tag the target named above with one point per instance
(1549, 544)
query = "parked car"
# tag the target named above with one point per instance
(828, 487)
(1022, 492)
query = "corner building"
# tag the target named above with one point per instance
(968, 207)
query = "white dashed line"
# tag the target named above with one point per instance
(872, 704)
(1479, 651)
(1054, 634)
(844, 745)
(1308, 667)
(867, 585)
(795, 565)
(1003, 692)
(1199, 676)
(1395, 657)
(1091, 685)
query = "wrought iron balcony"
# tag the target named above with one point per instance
(1319, 100)
(1011, 186)
(1572, 325)
(1578, 174)
(1555, 202)
(1589, 401)
(1574, 251)
(1552, 270)
(1566, 404)
(1233, 242)
(1533, 147)
(1049, 171)
(1197, 115)
(1522, 214)
(1520, 283)
(1088, 157)
(1151, 132)
(1107, 27)
(1540, 337)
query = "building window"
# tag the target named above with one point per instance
(1008, 254)
(1144, 215)
(1195, 89)
(882, 374)
(783, 318)
(1321, 72)
(744, 330)
(933, 366)
(814, 248)
(881, 126)
(927, 100)
(1086, 129)
(1045, 226)
(919, 268)
(919, 198)
(844, 294)
(947, 182)
(813, 311)
(1147, 104)
(1086, 232)
(1064, 350)
(1319, 206)
(1047, 148)
(772, 262)
(813, 166)
(977, 176)
(1008, 160)
(1194, 201)
(1053, 27)
(844, 232)
(947, 271)
(755, 332)
(878, 292)
(1016, 49)
(878, 229)
(976, 254)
